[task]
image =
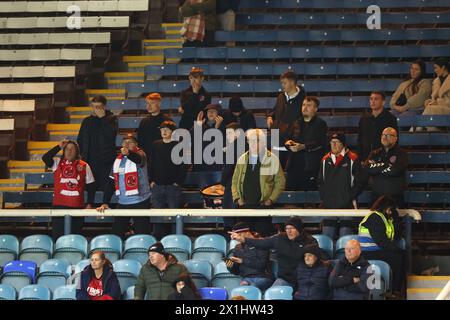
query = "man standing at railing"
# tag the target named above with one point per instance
(97, 140)
(72, 176)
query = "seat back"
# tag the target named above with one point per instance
(129, 293)
(325, 243)
(248, 292)
(279, 293)
(136, 247)
(9, 248)
(212, 293)
(34, 292)
(341, 242)
(179, 245)
(37, 248)
(384, 270)
(65, 293)
(110, 244)
(28, 268)
(7, 292)
(201, 272)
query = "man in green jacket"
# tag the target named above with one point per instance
(158, 275)
(258, 179)
(208, 9)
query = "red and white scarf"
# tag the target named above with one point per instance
(130, 175)
(194, 27)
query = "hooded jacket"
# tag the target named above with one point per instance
(289, 252)
(154, 284)
(341, 280)
(110, 283)
(312, 282)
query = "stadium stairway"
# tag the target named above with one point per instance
(425, 287)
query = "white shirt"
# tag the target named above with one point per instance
(333, 156)
(293, 96)
(89, 176)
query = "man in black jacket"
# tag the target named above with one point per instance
(307, 145)
(371, 126)
(340, 182)
(289, 247)
(193, 100)
(387, 167)
(97, 140)
(247, 261)
(237, 113)
(148, 130)
(349, 278)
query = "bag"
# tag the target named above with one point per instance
(402, 100)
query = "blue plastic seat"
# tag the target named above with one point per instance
(53, 273)
(37, 248)
(223, 278)
(185, 69)
(68, 292)
(248, 292)
(34, 292)
(129, 293)
(110, 244)
(384, 270)
(211, 53)
(78, 268)
(279, 293)
(342, 242)
(179, 245)
(325, 243)
(211, 293)
(184, 53)
(210, 247)
(19, 273)
(127, 272)
(232, 245)
(136, 247)
(274, 53)
(243, 53)
(201, 272)
(73, 248)
(7, 292)
(237, 86)
(9, 248)
(163, 70)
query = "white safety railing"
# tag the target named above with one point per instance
(445, 293)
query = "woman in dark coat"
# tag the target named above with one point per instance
(98, 280)
(184, 289)
(312, 276)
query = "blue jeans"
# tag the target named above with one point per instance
(166, 196)
(260, 282)
(281, 282)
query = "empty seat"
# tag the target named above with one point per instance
(37, 248)
(279, 293)
(73, 248)
(179, 245)
(136, 247)
(201, 272)
(248, 292)
(210, 247)
(211, 293)
(382, 269)
(127, 272)
(110, 244)
(68, 292)
(34, 292)
(78, 268)
(9, 248)
(19, 274)
(7, 292)
(53, 273)
(325, 243)
(223, 278)
(129, 293)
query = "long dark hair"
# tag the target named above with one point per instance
(423, 71)
(383, 203)
(103, 258)
(188, 282)
(77, 150)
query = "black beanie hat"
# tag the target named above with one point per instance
(235, 104)
(157, 247)
(338, 136)
(296, 222)
(313, 249)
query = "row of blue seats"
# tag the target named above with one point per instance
(340, 18)
(309, 52)
(269, 69)
(344, 35)
(169, 103)
(135, 89)
(345, 4)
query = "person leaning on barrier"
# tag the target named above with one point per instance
(249, 262)
(350, 275)
(379, 233)
(289, 246)
(72, 177)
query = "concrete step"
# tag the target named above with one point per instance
(427, 281)
(120, 79)
(11, 185)
(20, 173)
(58, 136)
(110, 94)
(63, 127)
(144, 59)
(17, 164)
(422, 293)
(79, 110)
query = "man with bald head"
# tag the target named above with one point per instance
(386, 168)
(349, 278)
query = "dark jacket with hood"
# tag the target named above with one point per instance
(192, 103)
(154, 284)
(148, 131)
(312, 282)
(255, 262)
(246, 119)
(289, 252)
(110, 283)
(387, 173)
(187, 293)
(341, 280)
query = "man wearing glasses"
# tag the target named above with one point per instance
(387, 167)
